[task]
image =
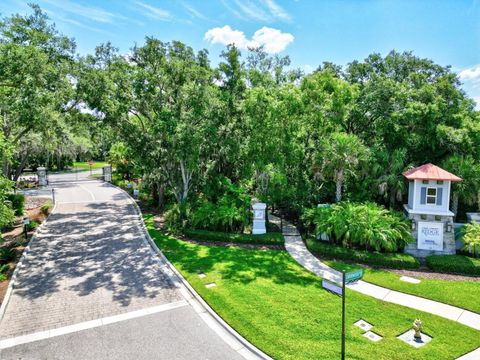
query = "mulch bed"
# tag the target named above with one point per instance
(427, 274)
(33, 211)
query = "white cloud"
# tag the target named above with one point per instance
(258, 10)
(89, 12)
(226, 36)
(470, 78)
(194, 12)
(152, 11)
(252, 11)
(273, 40)
(276, 10)
(470, 74)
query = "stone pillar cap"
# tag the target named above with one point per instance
(259, 206)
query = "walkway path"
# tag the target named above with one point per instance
(91, 287)
(298, 250)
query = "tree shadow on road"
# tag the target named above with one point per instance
(97, 248)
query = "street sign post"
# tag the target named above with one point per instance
(334, 288)
(340, 290)
(354, 275)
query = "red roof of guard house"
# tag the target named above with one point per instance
(430, 172)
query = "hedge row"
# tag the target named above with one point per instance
(454, 264)
(388, 260)
(264, 239)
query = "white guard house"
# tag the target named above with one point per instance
(429, 209)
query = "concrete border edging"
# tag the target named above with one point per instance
(19, 264)
(252, 350)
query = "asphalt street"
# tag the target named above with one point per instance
(89, 263)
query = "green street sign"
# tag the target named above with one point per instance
(354, 275)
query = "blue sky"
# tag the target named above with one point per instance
(309, 31)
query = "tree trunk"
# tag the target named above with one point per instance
(21, 166)
(455, 204)
(339, 183)
(392, 198)
(160, 195)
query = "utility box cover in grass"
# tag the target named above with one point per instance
(259, 218)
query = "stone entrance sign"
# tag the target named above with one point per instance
(430, 236)
(107, 173)
(259, 218)
(42, 176)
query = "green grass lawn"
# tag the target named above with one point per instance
(83, 165)
(282, 309)
(463, 294)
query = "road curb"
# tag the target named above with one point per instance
(11, 283)
(252, 351)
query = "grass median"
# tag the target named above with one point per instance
(282, 309)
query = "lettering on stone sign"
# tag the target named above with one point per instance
(430, 231)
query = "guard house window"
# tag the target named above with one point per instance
(439, 182)
(431, 196)
(424, 181)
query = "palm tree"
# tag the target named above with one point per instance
(468, 189)
(341, 155)
(388, 168)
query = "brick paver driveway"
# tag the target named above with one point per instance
(90, 261)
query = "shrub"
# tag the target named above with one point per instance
(18, 203)
(231, 211)
(173, 217)
(471, 237)
(265, 239)
(6, 255)
(7, 215)
(393, 261)
(454, 264)
(3, 271)
(32, 225)
(46, 207)
(368, 226)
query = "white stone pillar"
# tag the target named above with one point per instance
(107, 173)
(259, 218)
(42, 176)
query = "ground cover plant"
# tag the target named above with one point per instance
(367, 226)
(457, 264)
(275, 238)
(388, 260)
(471, 238)
(282, 309)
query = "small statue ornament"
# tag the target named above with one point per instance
(417, 327)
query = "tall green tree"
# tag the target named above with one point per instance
(35, 88)
(468, 189)
(341, 155)
(388, 168)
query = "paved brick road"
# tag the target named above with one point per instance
(87, 263)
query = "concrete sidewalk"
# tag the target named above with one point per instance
(298, 250)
